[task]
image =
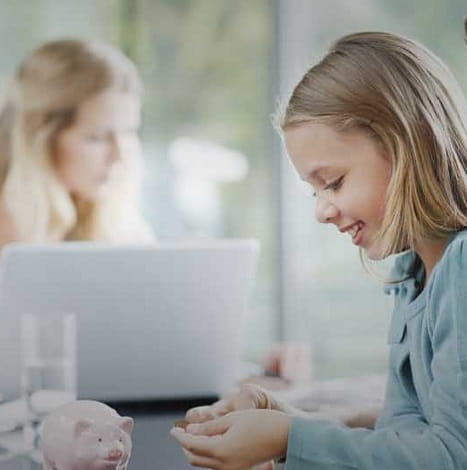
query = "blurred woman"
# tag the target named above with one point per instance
(70, 163)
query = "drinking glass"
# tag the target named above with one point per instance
(48, 368)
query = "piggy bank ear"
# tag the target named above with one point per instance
(81, 426)
(126, 424)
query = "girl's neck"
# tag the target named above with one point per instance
(430, 252)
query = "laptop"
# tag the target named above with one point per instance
(160, 321)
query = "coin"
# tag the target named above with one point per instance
(181, 423)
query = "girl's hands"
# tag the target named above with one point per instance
(249, 396)
(236, 441)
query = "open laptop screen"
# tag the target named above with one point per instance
(153, 321)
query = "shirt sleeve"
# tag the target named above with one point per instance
(404, 437)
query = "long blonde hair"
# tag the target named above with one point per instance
(42, 100)
(402, 95)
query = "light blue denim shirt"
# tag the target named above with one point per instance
(424, 422)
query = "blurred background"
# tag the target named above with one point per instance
(214, 71)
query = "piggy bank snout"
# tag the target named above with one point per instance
(116, 453)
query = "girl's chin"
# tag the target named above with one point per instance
(374, 253)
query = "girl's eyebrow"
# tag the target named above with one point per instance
(315, 173)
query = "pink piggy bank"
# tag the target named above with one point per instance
(86, 435)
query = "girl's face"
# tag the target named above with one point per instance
(103, 132)
(350, 177)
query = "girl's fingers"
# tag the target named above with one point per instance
(257, 397)
(200, 445)
(210, 428)
(266, 466)
(221, 408)
(200, 414)
(201, 461)
(249, 396)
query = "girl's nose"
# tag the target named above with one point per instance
(325, 211)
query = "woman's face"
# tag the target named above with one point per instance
(103, 132)
(350, 176)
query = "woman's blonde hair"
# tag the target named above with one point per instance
(42, 100)
(401, 94)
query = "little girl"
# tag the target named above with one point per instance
(378, 128)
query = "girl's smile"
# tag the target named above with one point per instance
(354, 231)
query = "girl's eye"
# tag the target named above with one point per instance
(334, 185)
